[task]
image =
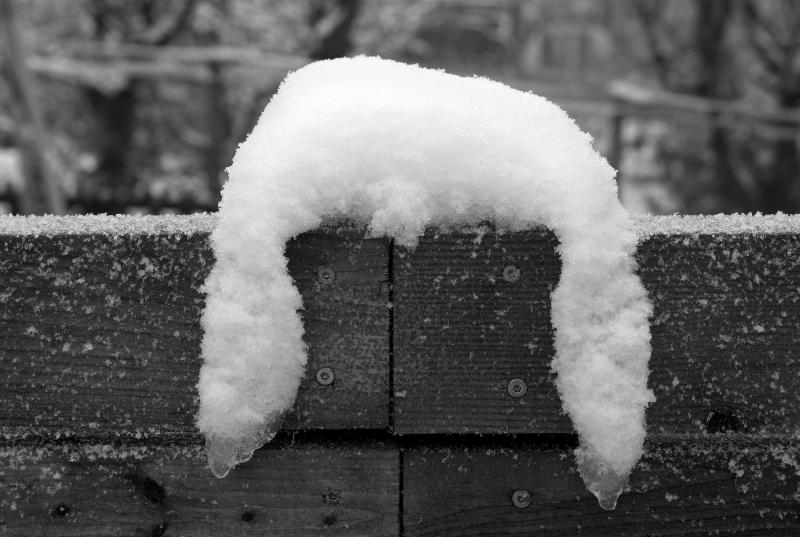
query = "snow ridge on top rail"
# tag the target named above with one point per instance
(50, 225)
(717, 224)
(645, 225)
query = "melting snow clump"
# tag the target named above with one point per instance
(402, 148)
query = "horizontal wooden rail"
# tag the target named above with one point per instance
(306, 489)
(726, 344)
(314, 487)
(99, 328)
(99, 357)
(678, 489)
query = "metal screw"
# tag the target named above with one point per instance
(325, 376)
(326, 275)
(61, 510)
(521, 499)
(517, 388)
(511, 273)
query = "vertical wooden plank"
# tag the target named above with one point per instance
(463, 331)
(344, 280)
(303, 490)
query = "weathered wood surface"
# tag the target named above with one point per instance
(462, 332)
(308, 489)
(100, 332)
(716, 489)
(726, 343)
(99, 343)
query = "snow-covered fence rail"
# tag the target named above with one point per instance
(100, 330)
(99, 357)
(726, 345)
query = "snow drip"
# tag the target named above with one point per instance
(401, 148)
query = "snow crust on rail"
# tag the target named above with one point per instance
(204, 223)
(717, 224)
(51, 226)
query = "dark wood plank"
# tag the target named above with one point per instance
(347, 329)
(719, 489)
(462, 332)
(293, 491)
(726, 348)
(100, 333)
(726, 344)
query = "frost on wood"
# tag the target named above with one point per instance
(402, 148)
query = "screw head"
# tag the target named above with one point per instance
(517, 388)
(325, 376)
(61, 510)
(521, 499)
(326, 275)
(511, 273)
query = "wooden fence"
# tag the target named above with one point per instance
(405, 423)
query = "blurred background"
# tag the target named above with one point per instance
(136, 106)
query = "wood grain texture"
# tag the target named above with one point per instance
(100, 333)
(302, 490)
(462, 332)
(719, 489)
(726, 344)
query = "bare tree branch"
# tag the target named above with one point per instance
(761, 37)
(331, 28)
(167, 27)
(42, 192)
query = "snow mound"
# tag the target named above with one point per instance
(402, 148)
